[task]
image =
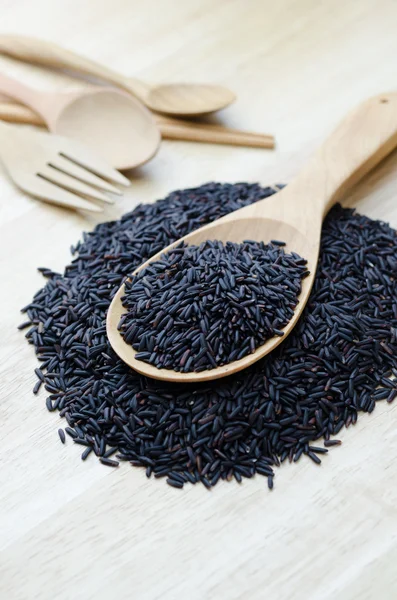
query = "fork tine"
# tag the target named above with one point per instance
(72, 184)
(70, 168)
(85, 158)
(55, 195)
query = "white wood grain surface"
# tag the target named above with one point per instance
(77, 531)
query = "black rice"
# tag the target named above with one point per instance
(86, 452)
(109, 462)
(333, 366)
(201, 307)
(329, 443)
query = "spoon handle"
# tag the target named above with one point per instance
(38, 101)
(16, 113)
(366, 136)
(41, 52)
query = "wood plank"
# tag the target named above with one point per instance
(77, 530)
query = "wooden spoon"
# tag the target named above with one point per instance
(175, 99)
(171, 129)
(115, 124)
(293, 215)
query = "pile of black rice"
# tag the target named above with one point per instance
(200, 307)
(340, 359)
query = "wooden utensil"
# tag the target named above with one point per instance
(194, 131)
(170, 128)
(56, 169)
(112, 122)
(175, 99)
(293, 215)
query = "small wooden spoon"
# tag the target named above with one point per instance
(113, 123)
(184, 99)
(294, 215)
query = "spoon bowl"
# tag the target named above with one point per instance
(111, 122)
(188, 100)
(294, 215)
(225, 229)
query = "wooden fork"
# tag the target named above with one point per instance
(57, 169)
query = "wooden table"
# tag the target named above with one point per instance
(79, 531)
